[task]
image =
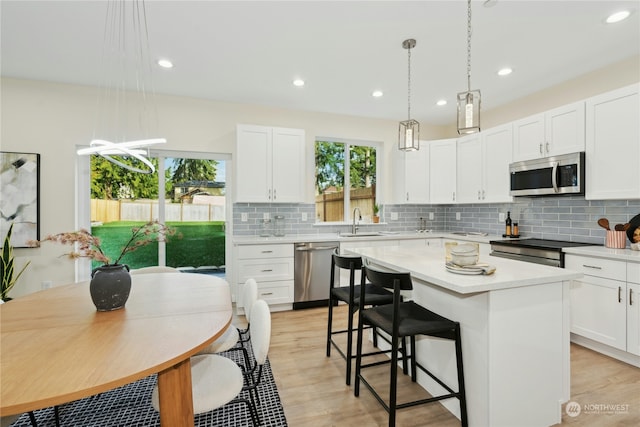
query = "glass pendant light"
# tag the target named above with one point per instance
(409, 130)
(469, 101)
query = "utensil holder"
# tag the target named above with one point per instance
(616, 239)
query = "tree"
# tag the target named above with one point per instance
(193, 170)
(363, 166)
(110, 181)
(329, 165)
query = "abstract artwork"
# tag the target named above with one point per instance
(20, 197)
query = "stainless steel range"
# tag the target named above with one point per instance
(539, 251)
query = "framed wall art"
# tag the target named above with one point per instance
(20, 197)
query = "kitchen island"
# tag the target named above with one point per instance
(515, 334)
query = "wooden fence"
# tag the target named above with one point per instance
(330, 206)
(147, 210)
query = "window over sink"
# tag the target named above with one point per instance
(338, 193)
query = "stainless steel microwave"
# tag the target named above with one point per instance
(555, 175)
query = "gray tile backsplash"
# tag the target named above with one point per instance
(561, 218)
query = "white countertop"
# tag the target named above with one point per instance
(428, 264)
(334, 237)
(608, 253)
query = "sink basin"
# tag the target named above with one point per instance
(363, 234)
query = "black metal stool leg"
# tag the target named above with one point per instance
(329, 322)
(461, 388)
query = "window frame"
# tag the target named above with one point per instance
(379, 147)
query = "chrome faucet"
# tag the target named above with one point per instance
(354, 227)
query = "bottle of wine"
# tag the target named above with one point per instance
(508, 224)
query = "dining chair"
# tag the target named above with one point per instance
(218, 380)
(154, 269)
(234, 337)
(400, 320)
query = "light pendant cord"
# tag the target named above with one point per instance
(409, 83)
(469, 45)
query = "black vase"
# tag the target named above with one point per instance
(110, 286)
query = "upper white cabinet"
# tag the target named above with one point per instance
(555, 132)
(442, 170)
(413, 174)
(483, 166)
(270, 164)
(612, 152)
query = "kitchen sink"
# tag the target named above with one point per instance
(363, 234)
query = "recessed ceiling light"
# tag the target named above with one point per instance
(441, 102)
(298, 82)
(617, 17)
(377, 93)
(165, 63)
(505, 71)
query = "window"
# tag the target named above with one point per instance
(332, 159)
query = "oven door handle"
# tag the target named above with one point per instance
(554, 177)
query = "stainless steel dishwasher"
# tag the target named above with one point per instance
(312, 271)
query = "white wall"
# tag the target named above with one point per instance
(51, 119)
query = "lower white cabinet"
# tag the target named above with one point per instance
(272, 268)
(605, 303)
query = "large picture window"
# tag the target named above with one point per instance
(338, 193)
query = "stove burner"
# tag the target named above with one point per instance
(539, 251)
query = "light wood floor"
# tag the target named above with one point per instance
(313, 390)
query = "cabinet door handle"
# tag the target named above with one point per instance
(482, 194)
(265, 271)
(454, 196)
(540, 148)
(274, 194)
(267, 252)
(547, 147)
(269, 194)
(592, 266)
(407, 196)
(619, 293)
(630, 296)
(478, 194)
(266, 293)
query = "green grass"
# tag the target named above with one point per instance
(195, 244)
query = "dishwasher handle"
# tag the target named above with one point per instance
(317, 248)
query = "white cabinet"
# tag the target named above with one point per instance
(483, 166)
(442, 171)
(604, 302)
(612, 153)
(555, 132)
(272, 268)
(412, 171)
(269, 164)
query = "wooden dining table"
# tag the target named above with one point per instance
(55, 347)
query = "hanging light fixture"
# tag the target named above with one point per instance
(469, 101)
(409, 130)
(125, 114)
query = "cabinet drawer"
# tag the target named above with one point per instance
(609, 269)
(265, 251)
(280, 293)
(265, 270)
(633, 272)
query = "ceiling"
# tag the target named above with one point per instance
(249, 52)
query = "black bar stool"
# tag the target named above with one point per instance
(400, 320)
(350, 295)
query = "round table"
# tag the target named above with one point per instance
(56, 348)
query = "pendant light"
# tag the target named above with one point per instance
(125, 114)
(469, 101)
(409, 130)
